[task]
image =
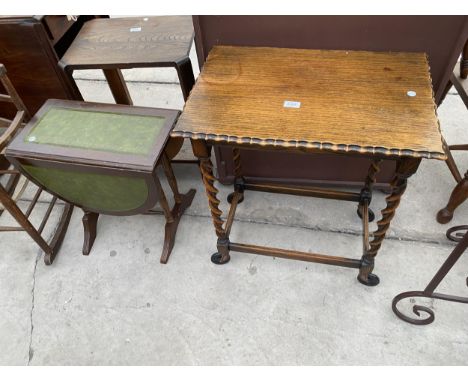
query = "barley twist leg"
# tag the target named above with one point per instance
(206, 167)
(202, 151)
(405, 168)
(366, 192)
(239, 180)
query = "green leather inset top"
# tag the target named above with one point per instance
(96, 130)
(103, 193)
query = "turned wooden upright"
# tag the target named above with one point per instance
(459, 194)
(374, 104)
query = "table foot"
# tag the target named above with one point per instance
(458, 196)
(372, 280)
(171, 227)
(231, 196)
(217, 258)
(371, 214)
(444, 216)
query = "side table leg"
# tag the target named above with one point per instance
(118, 86)
(171, 179)
(182, 202)
(405, 168)
(366, 192)
(186, 77)
(72, 88)
(90, 228)
(238, 178)
(458, 196)
(202, 152)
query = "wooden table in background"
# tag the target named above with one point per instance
(378, 105)
(132, 42)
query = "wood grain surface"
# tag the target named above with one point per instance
(130, 42)
(350, 101)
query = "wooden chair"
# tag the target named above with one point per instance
(460, 192)
(9, 193)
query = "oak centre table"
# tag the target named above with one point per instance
(373, 104)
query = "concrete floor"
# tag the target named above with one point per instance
(120, 306)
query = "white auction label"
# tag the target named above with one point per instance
(292, 104)
(135, 29)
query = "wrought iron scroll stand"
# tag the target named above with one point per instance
(454, 234)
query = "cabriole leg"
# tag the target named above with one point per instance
(182, 202)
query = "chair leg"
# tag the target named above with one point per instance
(451, 162)
(90, 228)
(445, 92)
(458, 196)
(22, 220)
(11, 186)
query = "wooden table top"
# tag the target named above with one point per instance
(350, 101)
(130, 42)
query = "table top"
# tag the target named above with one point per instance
(96, 134)
(130, 42)
(316, 100)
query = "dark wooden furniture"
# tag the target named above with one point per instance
(460, 234)
(460, 192)
(8, 128)
(457, 197)
(132, 42)
(460, 75)
(102, 158)
(440, 37)
(30, 47)
(289, 99)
